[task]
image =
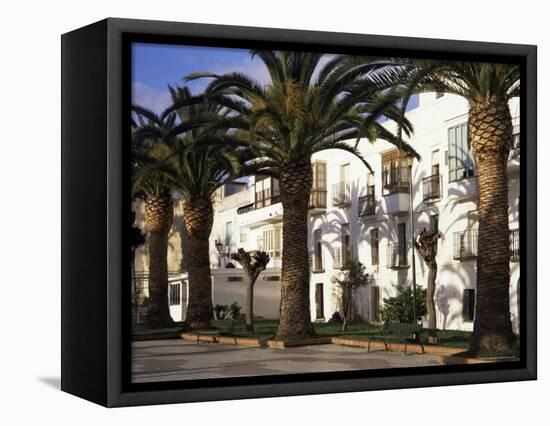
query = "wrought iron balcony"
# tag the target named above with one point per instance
(341, 194)
(395, 181)
(431, 188)
(465, 245)
(514, 245)
(367, 205)
(396, 255)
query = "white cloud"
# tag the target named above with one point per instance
(254, 69)
(150, 98)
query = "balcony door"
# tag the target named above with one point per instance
(402, 243)
(344, 173)
(319, 302)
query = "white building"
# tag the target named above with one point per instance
(355, 213)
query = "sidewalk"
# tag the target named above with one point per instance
(164, 360)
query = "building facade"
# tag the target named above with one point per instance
(362, 215)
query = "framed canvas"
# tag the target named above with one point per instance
(256, 212)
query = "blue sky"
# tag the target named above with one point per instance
(154, 66)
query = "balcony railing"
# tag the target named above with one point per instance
(514, 245)
(396, 255)
(431, 187)
(465, 244)
(341, 194)
(342, 257)
(367, 205)
(395, 181)
(318, 199)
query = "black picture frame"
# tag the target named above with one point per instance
(95, 202)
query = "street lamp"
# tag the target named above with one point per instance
(219, 248)
(410, 161)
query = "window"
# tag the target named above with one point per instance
(228, 234)
(242, 235)
(319, 175)
(395, 173)
(318, 196)
(374, 244)
(175, 294)
(434, 222)
(272, 242)
(461, 160)
(266, 191)
(346, 244)
(319, 301)
(468, 304)
(374, 311)
(402, 243)
(435, 162)
(272, 278)
(318, 251)
(259, 191)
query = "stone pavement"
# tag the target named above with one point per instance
(164, 360)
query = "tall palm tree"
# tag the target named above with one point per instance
(207, 156)
(291, 119)
(488, 89)
(149, 148)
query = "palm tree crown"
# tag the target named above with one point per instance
(294, 116)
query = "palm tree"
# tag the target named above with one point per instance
(149, 148)
(488, 88)
(290, 119)
(207, 156)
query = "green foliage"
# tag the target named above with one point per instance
(301, 111)
(228, 312)
(400, 308)
(195, 156)
(352, 277)
(234, 311)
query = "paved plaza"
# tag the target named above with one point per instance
(165, 360)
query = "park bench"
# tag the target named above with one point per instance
(215, 334)
(398, 332)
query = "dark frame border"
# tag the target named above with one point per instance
(120, 32)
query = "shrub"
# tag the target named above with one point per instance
(400, 307)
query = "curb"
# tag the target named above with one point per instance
(281, 344)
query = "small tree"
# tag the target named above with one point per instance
(253, 264)
(426, 244)
(347, 282)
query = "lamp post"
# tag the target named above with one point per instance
(410, 160)
(219, 248)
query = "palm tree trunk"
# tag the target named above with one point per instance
(490, 127)
(430, 305)
(295, 186)
(198, 216)
(249, 302)
(159, 214)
